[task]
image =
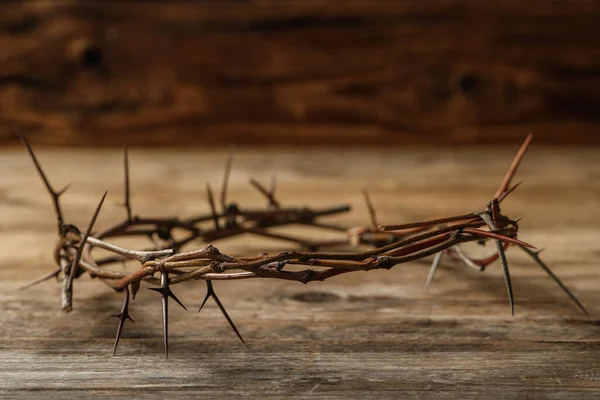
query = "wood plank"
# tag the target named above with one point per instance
(370, 335)
(288, 72)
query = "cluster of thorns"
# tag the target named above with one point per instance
(165, 264)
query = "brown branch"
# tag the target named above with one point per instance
(391, 244)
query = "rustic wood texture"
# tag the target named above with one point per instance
(300, 72)
(377, 334)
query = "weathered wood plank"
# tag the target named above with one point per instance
(368, 335)
(300, 72)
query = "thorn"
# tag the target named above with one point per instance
(211, 202)
(272, 185)
(488, 220)
(88, 231)
(225, 184)
(538, 251)
(123, 315)
(513, 167)
(466, 259)
(169, 294)
(172, 295)
(55, 195)
(509, 191)
(434, 266)
(63, 190)
(135, 287)
(493, 235)
(68, 283)
(165, 293)
(370, 208)
(272, 202)
(210, 292)
(535, 255)
(41, 279)
(164, 280)
(507, 280)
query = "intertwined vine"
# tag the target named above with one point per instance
(165, 263)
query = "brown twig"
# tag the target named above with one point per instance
(393, 244)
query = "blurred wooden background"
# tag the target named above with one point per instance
(255, 72)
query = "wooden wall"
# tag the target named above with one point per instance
(401, 72)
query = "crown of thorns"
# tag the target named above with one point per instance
(164, 264)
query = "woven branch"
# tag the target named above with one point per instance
(164, 264)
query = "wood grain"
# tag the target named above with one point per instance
(365, 335)
(260, 72)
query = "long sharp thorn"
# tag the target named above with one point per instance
(465, 259)
(55, 195)
(513, 167)
(370, 207)
(210, 292)
(535, 255)
(488, 220)
(68, 284)
(172, 295)
(127, 203)
(509, 191)
(63, 190)
(272, 188)
(123, 315)
(516, 220)
(506, 275)
(204, 301)
(493, 235)
(211, 202)
(41, 279)
(434, 266)
(88, 231)
(225, 184)
(163, 290)
(272, 202)
(165, 313)
(272, 185)
(135, 287)
(231, 324)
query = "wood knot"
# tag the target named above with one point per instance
(218, 267)
(87, 54)
(382, 262)
(212, 249)
(469, 83)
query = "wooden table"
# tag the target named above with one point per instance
(377, 334)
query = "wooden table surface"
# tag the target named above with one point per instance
(372, 334)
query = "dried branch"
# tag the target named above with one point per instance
(53, 193)
(390, 245)
(72, 271)
(123, 316)
(210, 292)
(269, 194)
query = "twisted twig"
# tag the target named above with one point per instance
(393, 245)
